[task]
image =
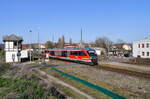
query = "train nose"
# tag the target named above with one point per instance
(94, 59)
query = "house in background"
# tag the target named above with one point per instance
(141, 48)
(123, 49)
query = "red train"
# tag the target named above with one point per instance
(86, 55)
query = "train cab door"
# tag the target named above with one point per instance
(81, 55)
(74, 55)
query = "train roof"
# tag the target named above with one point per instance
(72, 49)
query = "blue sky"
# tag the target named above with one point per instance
(117, 19)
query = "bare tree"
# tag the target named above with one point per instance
(103, 42)
(49, 44)
(61, 42)
(120, 41)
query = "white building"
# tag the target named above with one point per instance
(12, 48)
(141, 48)
(99, 50)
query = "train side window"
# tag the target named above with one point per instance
(79, 53)
(68, 53)
(56, 53)
(64, 53)
(52, 53)
(74, 52)
(59, 53)
(71, 53)
(82, 53)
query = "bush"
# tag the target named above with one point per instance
(2, 55)
(25, 89)
(4, 67)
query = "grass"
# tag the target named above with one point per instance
(90, 91)
(80, 86)
(4, 67)
(121, 91)
(94, 81)
(20, 87)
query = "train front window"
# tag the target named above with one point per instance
(92, 53)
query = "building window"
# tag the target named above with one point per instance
(147, 45)
(142, 45)
(15, 43)
(139, 45)
(143, 54)
(147, 53)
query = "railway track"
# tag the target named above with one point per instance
(126, 72)
(121, 71)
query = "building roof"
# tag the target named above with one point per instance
(145, 40)
(72, 48)
(12, 38)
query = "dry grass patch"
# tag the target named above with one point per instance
(93, 80)
(78, 85)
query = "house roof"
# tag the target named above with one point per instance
(12, 38)
(140, 41)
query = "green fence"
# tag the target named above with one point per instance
(98, 88)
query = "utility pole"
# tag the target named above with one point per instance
(38, 43)
(30, 45)
(53, 40)
(38, 47)
(81, 39)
